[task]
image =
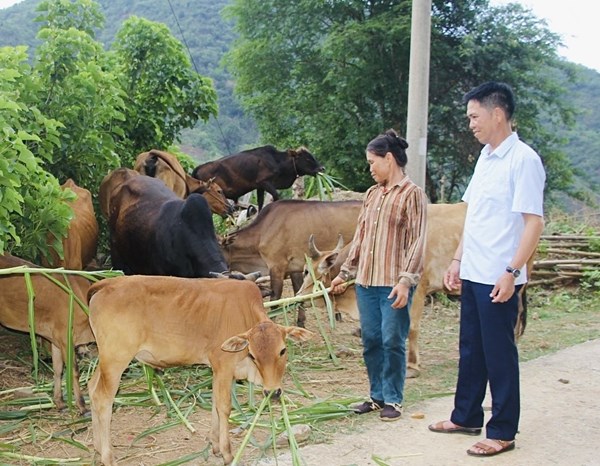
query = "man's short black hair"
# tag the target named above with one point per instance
(493, 94)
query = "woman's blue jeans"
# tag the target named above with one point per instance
(384, 331)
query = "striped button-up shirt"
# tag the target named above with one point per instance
(389, 242)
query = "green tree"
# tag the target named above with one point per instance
(163, 94)
(31, 201)
(78, 89)
(338, 75)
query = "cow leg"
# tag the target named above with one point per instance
(57, 366)
(221, 410)
(260, 198)
(102, 388)
(297, 279)
(58, 363)
(416, 312)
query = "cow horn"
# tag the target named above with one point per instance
(312, 249)
(340, 243)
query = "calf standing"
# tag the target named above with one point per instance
(171, 321)
(51, 317)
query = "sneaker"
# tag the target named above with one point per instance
(368, 406)
(391, 412)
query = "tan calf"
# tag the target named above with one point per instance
(170, 321)
(51, 317)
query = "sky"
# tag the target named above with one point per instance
(573, 20)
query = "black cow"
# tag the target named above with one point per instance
(263, 168)
(154, 232)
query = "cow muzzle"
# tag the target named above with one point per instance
(275, 394)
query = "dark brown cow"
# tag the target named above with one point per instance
(166, 167)
(263, 168)
(154, 232)
(51, 317)
(445, 224)
(169, 321)
(81, 242)
(275, 242)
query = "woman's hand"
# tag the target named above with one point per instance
(338, 285)
(400, 291)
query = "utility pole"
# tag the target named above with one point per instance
(418, 90)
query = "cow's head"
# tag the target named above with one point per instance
(322, 264)
(266, 357)
(304, 162)
(213, 193)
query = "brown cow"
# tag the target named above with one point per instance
(51, 317)
(444, 230)
(81, 242)
(166, 167)
(275, 242)
(154, 232)
(170, 321)
(262, 168)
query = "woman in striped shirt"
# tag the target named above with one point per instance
(386, 258)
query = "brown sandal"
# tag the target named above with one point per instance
(488, 449)
(448, 427)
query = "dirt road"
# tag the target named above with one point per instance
(560, 397)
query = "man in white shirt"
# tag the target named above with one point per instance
(503, 224)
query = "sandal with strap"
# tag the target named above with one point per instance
(448, 427)
(489, 447)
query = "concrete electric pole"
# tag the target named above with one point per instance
(418, 90)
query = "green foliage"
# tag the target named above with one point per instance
(30, 198)
(163, 94)
(79, 111)
(335, 83)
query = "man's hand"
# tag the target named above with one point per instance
(503, 289)
(452, 276)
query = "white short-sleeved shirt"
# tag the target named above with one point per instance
(506, 183)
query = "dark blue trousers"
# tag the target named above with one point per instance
(488, 353)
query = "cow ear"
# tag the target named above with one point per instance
(235, 344)
(297, 333)
(329, 260)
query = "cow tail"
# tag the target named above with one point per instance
(522, 317)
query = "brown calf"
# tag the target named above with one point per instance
(170, 321)
(51, 317)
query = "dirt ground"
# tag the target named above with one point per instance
(560, 403)
(560, 396)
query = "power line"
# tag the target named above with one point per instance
(196, 68)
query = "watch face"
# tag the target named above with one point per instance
(516, 273)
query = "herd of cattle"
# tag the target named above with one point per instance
(167, 310)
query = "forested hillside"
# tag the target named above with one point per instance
(196, 23)
(200, 25)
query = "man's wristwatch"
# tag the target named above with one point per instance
(514, 272)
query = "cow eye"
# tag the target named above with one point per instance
(282, 352)
(251, 356)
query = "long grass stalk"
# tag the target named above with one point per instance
(31, 318)
(240, 451)
(181, 417)
(296, 460)
(298, 299)
(37, 459)
(70, 363)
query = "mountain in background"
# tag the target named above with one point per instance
(199, 25)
